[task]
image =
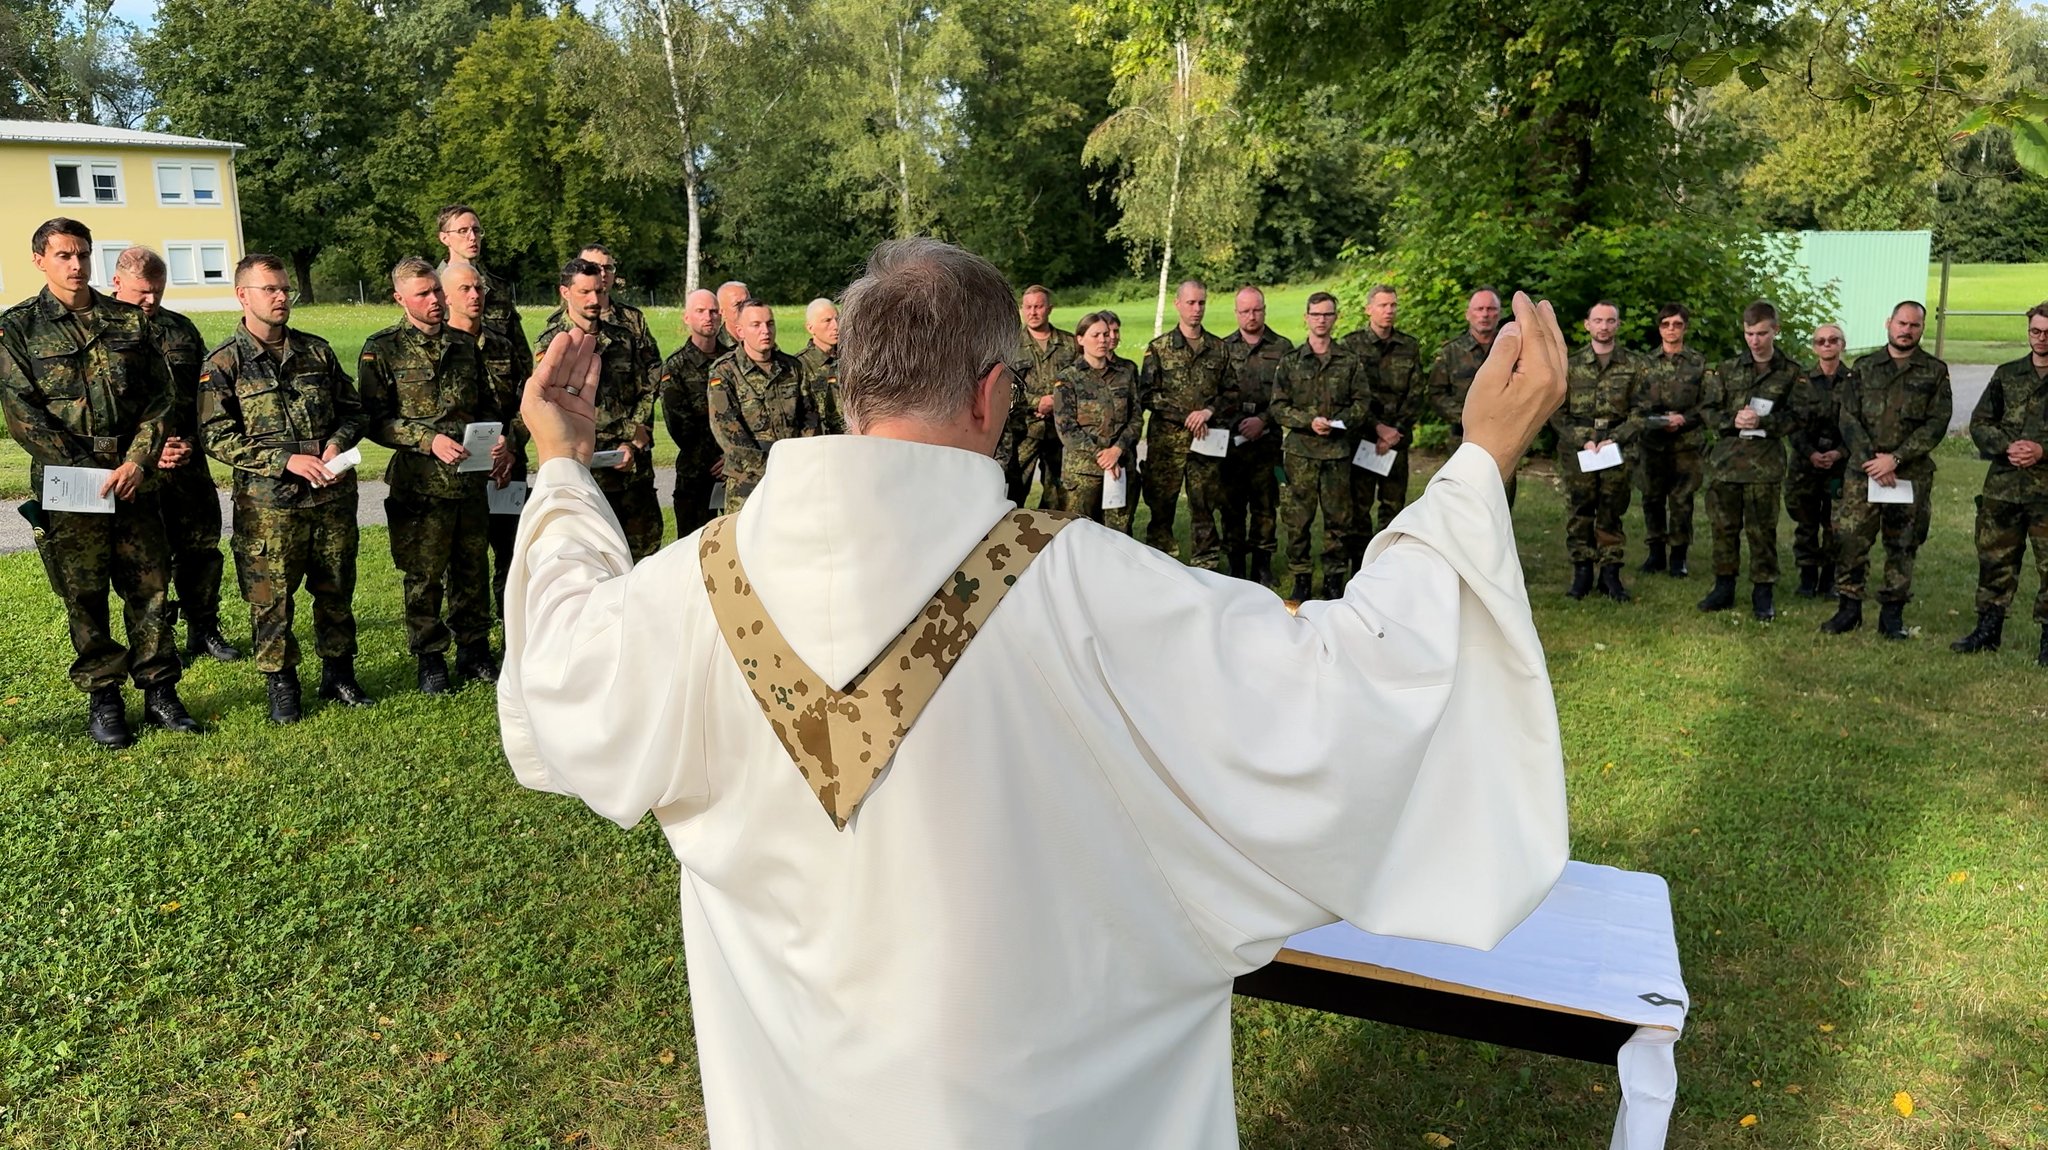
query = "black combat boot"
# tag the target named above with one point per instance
(161, 707)
(283, 689)
(1989, 634)
(1678, 569)
(1847, 617)
(1891, 620)
(474, 661)
(1827, 581)
(1610, 583)
(1262, 569)
(1300, 593)
(433, 674)
(1809, 582)
(1722, 596)
(1236, 562)
(1761, 602)
(106, 718)
(338, 682)
(1656, 562)
(1582, 581)
(203, 637)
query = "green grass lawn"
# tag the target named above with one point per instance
(361, 929)
(1986, 287)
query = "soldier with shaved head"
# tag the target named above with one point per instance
(700, 462)
(820, 358)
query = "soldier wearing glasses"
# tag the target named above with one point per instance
(463, 237)
(2009, 427)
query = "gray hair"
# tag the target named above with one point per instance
(921, 327)
(817, 308)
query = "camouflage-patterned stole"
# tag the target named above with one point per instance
(841, 740)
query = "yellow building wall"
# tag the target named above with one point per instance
(28, 196)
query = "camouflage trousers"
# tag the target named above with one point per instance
(442, 547)
(1251, 496)
(1081, 494)
(277, 548)
(1039, 447)
(1668, 477)
(2003, 530)
(1810, 501)
(502, 534)
(1859, 522)
(1594, 503)
(85, 556)
(1314, 484)
(191, 512)
(632, 499)
(1168, 466)
(1744, 513)
(694, 485)
(1375, 500)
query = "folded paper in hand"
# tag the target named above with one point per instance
(507, 500)
(1216, 442)
(599, 460)
(1369, 457)
(1601, 459)
(717, 500)
(1115, 490)
(346, 462)
(478, 439)
(77, 490)
(1900, 491)
(1761, 406)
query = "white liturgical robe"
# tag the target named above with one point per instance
(1137, 781)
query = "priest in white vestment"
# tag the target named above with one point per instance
(1137, 780)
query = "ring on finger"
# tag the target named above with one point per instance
(573, 389)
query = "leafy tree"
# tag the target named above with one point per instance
(68, 60)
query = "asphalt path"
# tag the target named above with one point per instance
(1967, 379)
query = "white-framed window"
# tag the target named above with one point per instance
(105, 254)
(187, 185)
(197, 262)
(87, 181)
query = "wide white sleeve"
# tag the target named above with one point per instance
(589, 699)
(1391, 758)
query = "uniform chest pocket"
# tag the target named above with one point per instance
(265, 408)
(1919, 400)
(418, 394)
(60, 374)
(314, 397)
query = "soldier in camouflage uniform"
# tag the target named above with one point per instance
(730, 295)
(191, 506)
(1746, 459)
(1598, 410)
(625, 404)
(1668, 470)
(421, 386)
(2009, 427)
(1393, 364)
(685, 409)
(82, 384)
(275, 405)
(463, 237)
(506, 366)
(757, 395)
(1251, 485)
(1450, 377)
(1095, 406)
(1186, 380)
(1894, 411)
(615, 311)
(1814, 479)
(1320, 384)
(1030, 439)
(820, 358)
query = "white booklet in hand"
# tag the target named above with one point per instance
(478, 439)
(77, 490)
(507, 500)
(599, 460)
(1901, 491)
(1369, 457)
(717, 500)
(1216, 442)
(1761, 406)
(1600, 459)
(346, 461)
(1115, 489)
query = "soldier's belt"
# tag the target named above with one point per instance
(106, 445)
(300, 446)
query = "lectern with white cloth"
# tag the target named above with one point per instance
(1592, 974)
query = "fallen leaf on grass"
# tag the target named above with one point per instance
(1756, 1082)
(12, 699)
(1959, 876)
(1903, 1103)
(666, 1058)
(438, 1057)
(1794, 1088)
(170, 907)
(1827, 1028)
(1747, 1120)
(1437, 1140)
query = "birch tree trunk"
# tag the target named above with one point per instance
(1182, 112)
(665, 21)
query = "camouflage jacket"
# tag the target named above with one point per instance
(501, 313)
(2014, 407)
(506, 366)
(256, 412)
(624, 315)
(1897, 408)
(1814, 423)
(184, 349)
(1394, 367)
(415, 386)
(1450, 377)
(1038, 368)
(95, 393)
(1255, 367)
(1097, 410)
(625, 396)
(1728, 388)
(1308, 385)
(1177, 379)
(684, 409)
(821, 370)
(1599, 404)
(752, 407)
(1670, 383)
